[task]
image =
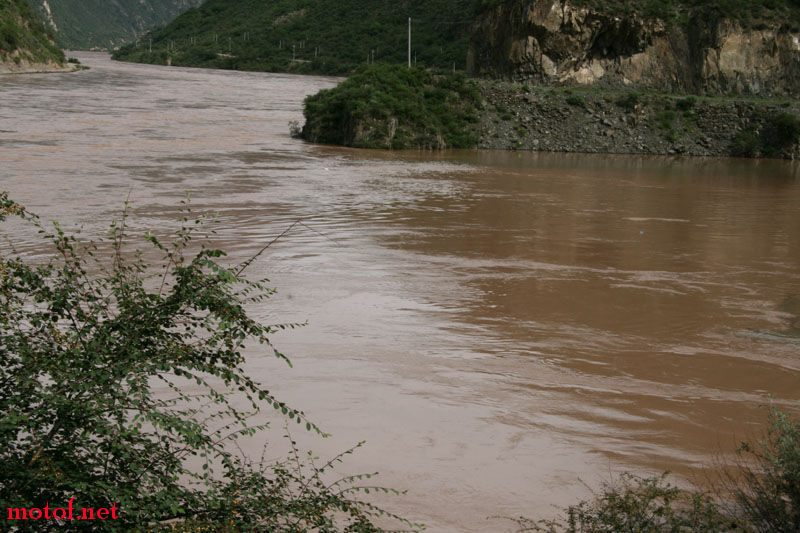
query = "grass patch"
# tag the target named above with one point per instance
(665, 120)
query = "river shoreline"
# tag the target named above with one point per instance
(497, 325)
(11, 68)
(518, 117)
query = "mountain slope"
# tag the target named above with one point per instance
(83, 24)
(25, 43)
(322, 36)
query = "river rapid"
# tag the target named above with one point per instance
(498, 326)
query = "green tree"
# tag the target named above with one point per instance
(392, 106)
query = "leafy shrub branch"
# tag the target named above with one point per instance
(761, 494)
(118, 385)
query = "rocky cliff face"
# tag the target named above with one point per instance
(551, 42)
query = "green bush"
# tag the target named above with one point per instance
(665, 119)
(765, 486)
(629, 101)
(88, 337)
(637, 504)
(770, 136)
(780, 132)
(576, 100)
(745, 144)
(392, 106)
(686, 104)
(769, 492)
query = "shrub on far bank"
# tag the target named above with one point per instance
(769, 137)
(392, 106)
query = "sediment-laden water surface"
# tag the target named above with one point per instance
(497, 326)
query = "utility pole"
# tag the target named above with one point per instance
(409, 42)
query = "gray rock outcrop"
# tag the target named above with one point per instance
(552, 42)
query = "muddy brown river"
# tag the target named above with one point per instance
(501, 328)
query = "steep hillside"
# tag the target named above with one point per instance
(26, 45)
(84, 24)
(686, 46)
(321, 36)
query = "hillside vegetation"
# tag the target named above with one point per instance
(309, 36)
(750, 13)
(24, 38)
(85, 24)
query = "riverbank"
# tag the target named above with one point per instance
(382, 107)
(500, 324)
(26, 44)
(26, 67)
(519, 117)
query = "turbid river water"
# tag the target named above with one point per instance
(498, 326)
